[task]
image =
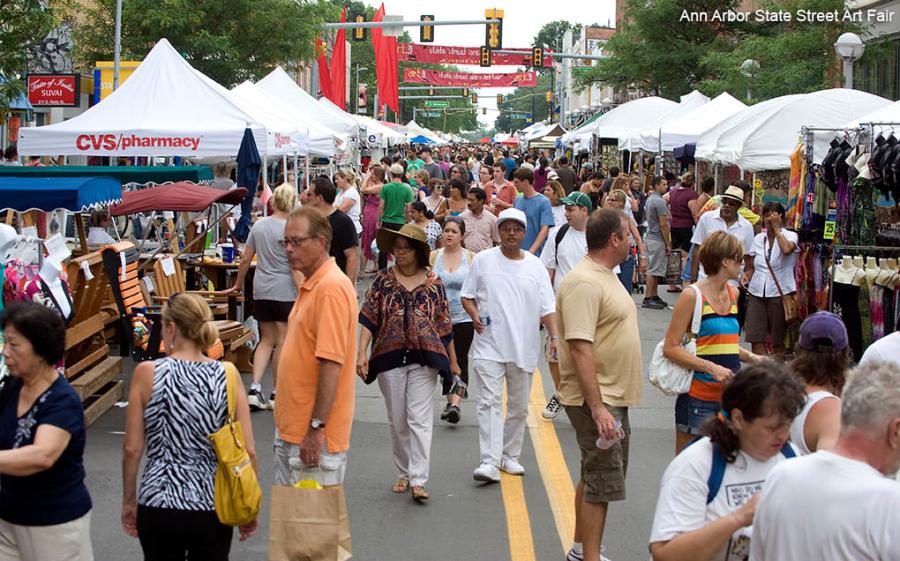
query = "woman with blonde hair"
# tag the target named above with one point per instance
(554, 191)
(617, 199)
(274, 290)
(174, 404)
(348, 199)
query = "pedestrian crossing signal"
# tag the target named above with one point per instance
(474, 98)
(426, 32)
(549, 97)
(359, 33)
(431, 91)
(485, 59)
(499, 100)
(484, 110)
(537, 57)
(494, 31)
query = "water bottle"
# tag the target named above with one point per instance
(604, 444)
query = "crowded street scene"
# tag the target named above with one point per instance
(319, 280)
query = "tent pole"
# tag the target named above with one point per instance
(284, 170)
(265, 207)
(306, 176)
(296, 174)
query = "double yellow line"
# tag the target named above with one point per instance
(555, 476)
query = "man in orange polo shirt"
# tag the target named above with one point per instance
(316, 379)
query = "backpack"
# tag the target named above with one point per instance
(560, 234)
(717, 473)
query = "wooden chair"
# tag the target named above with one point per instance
(168, 279)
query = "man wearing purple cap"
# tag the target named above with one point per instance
(507, 293)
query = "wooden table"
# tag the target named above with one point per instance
(220, 274)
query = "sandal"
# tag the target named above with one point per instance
(401, 486)
(674, 290)
(419, 493)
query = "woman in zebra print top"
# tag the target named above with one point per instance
(174, 404)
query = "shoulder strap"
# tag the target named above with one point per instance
(231, 378)
(698, 311)
(769, 265)
(788, 451)
(560, 234)
(716, 474)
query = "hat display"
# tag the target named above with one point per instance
(7, 239)
(735, 193)
(823, 328)
(577, 198)
(396, 170)
(512, 214)
(385, 237)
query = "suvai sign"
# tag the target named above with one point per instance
(54, 90)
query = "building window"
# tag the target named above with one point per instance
(881, 75)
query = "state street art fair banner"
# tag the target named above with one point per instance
(441, 54)
(469, 80)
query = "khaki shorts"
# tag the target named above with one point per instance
(656, 257)
(765, 316)
(603, 471)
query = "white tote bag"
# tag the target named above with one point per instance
(670, 378)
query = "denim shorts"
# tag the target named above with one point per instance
(690, 413)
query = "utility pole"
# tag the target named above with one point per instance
(117, 54)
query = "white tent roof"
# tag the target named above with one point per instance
(377, 133)
(688, 128)
(279, 84)
(887, 114)
(646, 138)
(163, 109)
(320, 140)
(638, 114)
(763, 136)
(340, 114)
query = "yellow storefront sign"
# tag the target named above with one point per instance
(103, 76)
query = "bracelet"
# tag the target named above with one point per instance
(554, 338)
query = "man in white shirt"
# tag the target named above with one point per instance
(836, 504)
(886, 349)
(566, 245)
(506, 293)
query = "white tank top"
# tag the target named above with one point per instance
(800, 420)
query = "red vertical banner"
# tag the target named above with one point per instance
(324, 74)
(339, 66)
(386, 65)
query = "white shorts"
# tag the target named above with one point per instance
(70, 540)
(289, 469)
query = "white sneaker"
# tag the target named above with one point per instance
(487, 473)
(552, 408)
(512, 467)
(257, 401)
(572, 556)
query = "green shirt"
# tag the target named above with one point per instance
(395, 196)
(414, 165)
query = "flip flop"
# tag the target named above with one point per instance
(419, 493)
(673, 290)
(401, 486)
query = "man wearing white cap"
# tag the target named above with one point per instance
(506, 293)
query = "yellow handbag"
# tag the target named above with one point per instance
(238, 496)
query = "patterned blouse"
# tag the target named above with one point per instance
(408, 327)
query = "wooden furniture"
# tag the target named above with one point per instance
(168, 279)
(90, 370)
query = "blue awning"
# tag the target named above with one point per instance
(70, 193)
(421, 139)
(21, 103)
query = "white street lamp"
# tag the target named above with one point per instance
(850, 48)
(748, 70)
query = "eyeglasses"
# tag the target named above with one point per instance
(295, 242)
(402, 248)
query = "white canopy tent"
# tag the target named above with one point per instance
(638, 114)
(414, 130)
(278, 84)
(687, 128)
(763, 136)
(887, 114)
(339, 114)
(647, 138)
(379, 134)
(163, 109)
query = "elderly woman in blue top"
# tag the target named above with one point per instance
(45, 508)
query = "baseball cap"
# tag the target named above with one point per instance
(396, 170)
(511, 214)
(552, 176)
(577, 198)
(823, 329)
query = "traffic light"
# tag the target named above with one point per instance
(430, 91)
(484, 110)
(548, 96)
(426, 32)
(474, 98)
(359, 33)
(493, 36)
(499, 100)
(465, 92)
(485, 59)
(537, 57)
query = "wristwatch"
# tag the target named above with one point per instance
(316, 424)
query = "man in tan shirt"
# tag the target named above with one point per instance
(481, 226)
(600, 372)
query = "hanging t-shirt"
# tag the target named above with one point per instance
(681, 506)
(512, 295)
(828, 508)
(56, 495)
(572, 249)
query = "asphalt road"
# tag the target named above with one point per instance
(521, 519)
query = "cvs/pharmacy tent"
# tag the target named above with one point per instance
(163, 109)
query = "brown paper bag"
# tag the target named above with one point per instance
(309, 525)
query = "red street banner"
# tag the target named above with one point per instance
(469, 80)
(54, 90)
(440, 54)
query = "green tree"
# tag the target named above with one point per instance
(550, 36)
(24, 24)
(523, 101)
(228, 41)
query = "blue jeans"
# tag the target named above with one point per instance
(626, 273)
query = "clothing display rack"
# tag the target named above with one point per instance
(859, 249)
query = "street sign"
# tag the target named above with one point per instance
(437, 104)
(430, 113)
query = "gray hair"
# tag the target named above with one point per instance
(871, 396)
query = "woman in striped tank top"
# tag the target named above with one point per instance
(174, 404)
(719, 354)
